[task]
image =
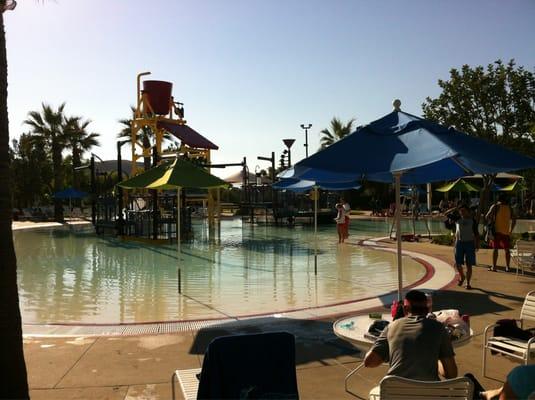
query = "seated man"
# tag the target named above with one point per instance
(518, 385)
(416, 347)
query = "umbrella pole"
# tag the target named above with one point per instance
(397, 177)
(315, 230)
(178, 250)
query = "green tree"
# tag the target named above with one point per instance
(13, 379)
(336, 131)
(79, 140)
(496, 103)
(31, 172)
(48, 129)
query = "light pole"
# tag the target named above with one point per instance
(289, 143)
(306, 128)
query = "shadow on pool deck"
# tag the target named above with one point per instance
(315, 335)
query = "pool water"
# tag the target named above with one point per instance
(74, 276)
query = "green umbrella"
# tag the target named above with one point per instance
(460, 185)
(511, 187)
(176, 175)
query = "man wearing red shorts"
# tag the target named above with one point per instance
(504, 222)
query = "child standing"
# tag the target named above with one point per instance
(340, 222)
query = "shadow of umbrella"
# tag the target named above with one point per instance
(475, 302)
(314, 339)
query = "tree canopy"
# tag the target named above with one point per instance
(496, 103)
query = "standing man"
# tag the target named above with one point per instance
(502, 218)
(416, 347)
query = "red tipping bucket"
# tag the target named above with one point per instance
(159, 95)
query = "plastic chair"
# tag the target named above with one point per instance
(398, 388)
(246, 366)
(523, 254)
(523, 350)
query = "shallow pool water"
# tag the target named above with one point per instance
(75, 276)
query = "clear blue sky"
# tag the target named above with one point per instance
(250, 71)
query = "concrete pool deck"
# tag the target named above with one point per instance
(140, 367)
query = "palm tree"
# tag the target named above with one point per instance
(337, 131)
(13, 379)
(79, 141)
(48, 128)
(144, 135)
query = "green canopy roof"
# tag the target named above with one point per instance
(460, 185)
(177, 174)
(511, 187)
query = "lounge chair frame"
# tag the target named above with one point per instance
(522, 350)
(523, 254)
(398, 388)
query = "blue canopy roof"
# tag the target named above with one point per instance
(296, 185)
(70, 193)
(399, 142)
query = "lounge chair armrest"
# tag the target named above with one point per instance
(491, 326)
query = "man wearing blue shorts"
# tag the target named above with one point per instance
(466, 241)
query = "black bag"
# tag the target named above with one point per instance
(449, 224)
(509, 328)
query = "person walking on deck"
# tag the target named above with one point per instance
(501, 216)
(466, 241)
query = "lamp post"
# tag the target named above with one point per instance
(94, 194)
(288, 143)
(272, 161)
(306, 128)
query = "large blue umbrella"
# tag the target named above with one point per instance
(401, 147)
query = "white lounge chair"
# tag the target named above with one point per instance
(397, 388)
(523, 350)
(523, 254)
(189, 383)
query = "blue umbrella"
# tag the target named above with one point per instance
(297, 185)
(401, 147)
(423, 151)
(70, 193)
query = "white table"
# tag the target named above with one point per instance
(352, 329)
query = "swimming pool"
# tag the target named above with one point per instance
(74, 276)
